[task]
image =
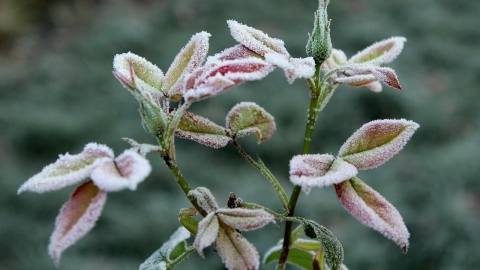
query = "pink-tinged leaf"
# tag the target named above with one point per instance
(247, 117)
(376, 142)
(375, 86)
(201, 130)
(356, 80)
(236, 252)
(208, 229)
(386, 75)
(236, 52)
(373, 210)
(189, 58)
(68, 169)
(135, 72)
(255, 39)
(204, 199)
(317, 170)
(381, 52)
(294, 68)
(76, 218)
(337, 58)
(217, 76)
(127, 171)
(245, 219)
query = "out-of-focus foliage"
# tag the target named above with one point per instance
(57, 93)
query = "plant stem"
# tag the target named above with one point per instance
(265, 171)
(320, 94)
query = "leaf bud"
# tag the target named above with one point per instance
(319, 45)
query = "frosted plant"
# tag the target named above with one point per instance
(193, 76)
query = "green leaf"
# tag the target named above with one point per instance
(307, 244)
(201, 130)
(185, 218)
(300, 258)
(332, 247)
(247, 117)
(154, 119)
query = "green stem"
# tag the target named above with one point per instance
(265, 172)
(320, 93)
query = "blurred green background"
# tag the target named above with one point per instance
(57, 93)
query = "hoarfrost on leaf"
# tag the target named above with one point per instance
(201, 130)
(208, 230)
(318, 170)
(294, 68)
(68, 169)
(204, 198)
(373, 210)
(381, 52)
(76, 218)
(245, 219)
(376, 142)
(236, 252)
(247, 117)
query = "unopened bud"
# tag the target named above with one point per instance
(319, 45)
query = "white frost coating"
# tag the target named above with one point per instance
(68, 229)
(245, 219)
(376, 142)
(381, 52)
(147, 77)
(127, 171)
(236, 252)
(236, 52)
(337, 58)
(189, 58)
(246, 118)
(318, 170)
(217, 76)
(357, 79)
(256, 40)
(204, 198)
(157, 261)
(384, 74)
(68, 169)
(373, 210)
(208, 229)
(294, 68)
(210, 140)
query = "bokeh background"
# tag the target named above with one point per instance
(57, 93)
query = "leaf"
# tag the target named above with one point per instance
(68, 169)
(208, 229)
(236, 252)
(245, 219)
(139, 75)
(307, 244)
(373, 210)
(218, 76)
(126, 171)
(236, 52)
(332, 247)
(384, 74)
(189, 58)
(300, 258)
(376, 142)
(169, 252)
(381, 52)
(337, 58)
(201, 130)
(318, 170)
(247, 117)
(185, 218)
(204, 199)
(255, 39)
(76, 218)
(294, 68)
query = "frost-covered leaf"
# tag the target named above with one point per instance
(318, 170)
(297, 257)
(332, 247)
(189, 58)
(208, 229)
(217, 76)
(201, 130)
(76, 218)
(381, 52)
(170, 250)
(245, 219)
(376, 142)
(236, 252)
(255, 39)
(138, 74)
(337, 58)
(383, 74)
(294, 68)
(247, 117)
(204, 198)
(236, 52)
(373, 210)
(356, 80)
(307, 244)
(126, 171)
(68, 169)
(142, 148)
